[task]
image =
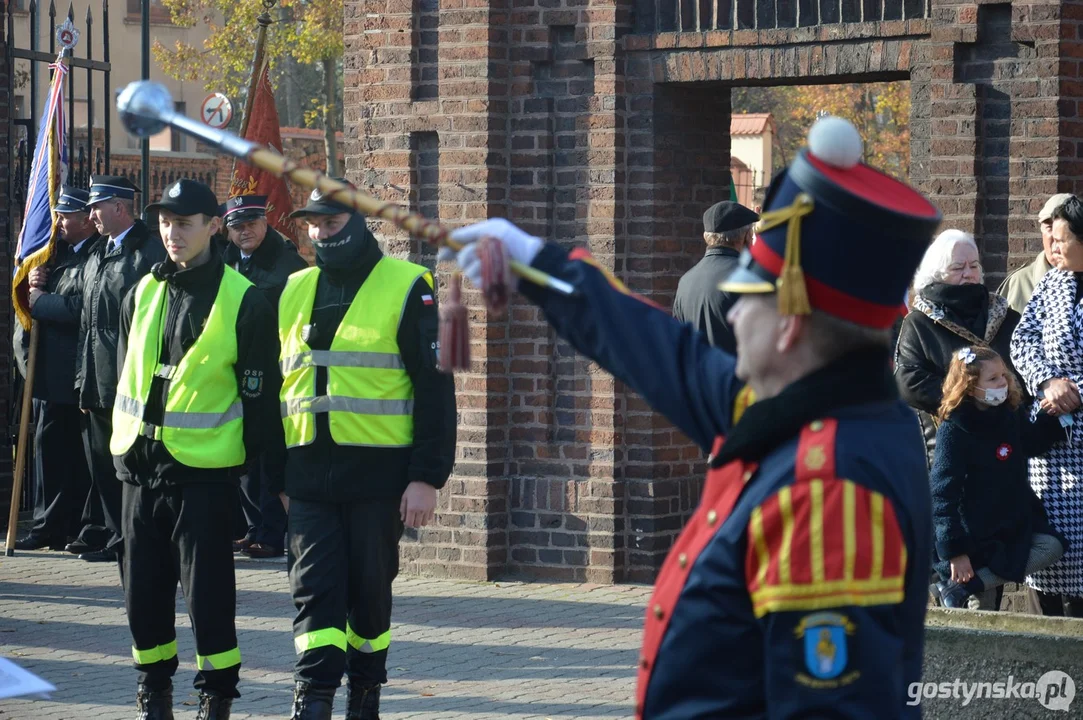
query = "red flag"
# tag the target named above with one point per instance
(247, 180)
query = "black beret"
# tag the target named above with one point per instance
(725, 216)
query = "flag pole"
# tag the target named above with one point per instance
(21, 448)
(258, 61)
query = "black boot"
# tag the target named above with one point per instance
(213, 707)
(362, 703)
(154, 704)
(311, 703)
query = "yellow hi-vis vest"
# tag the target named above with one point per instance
(203, 425)
(370, 397)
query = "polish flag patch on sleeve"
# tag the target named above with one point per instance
(427, 299)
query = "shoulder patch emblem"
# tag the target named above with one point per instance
(815, 458)
(824, 640)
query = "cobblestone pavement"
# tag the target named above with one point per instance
(495, 650)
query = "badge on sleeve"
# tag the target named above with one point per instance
(253, 383)
(824, 639)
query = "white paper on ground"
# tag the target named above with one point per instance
(15, 681)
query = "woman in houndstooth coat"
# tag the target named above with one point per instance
(1047, 350)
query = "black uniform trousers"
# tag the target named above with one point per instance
(263, 512)
(344, 559)
(181, 532)
(103, 477)
(61, 481)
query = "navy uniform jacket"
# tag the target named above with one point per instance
(799, 586)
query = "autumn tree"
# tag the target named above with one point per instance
(305, 33)
(880, 111)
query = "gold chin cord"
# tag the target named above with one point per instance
(792, 294)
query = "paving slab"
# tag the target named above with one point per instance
(459, 649)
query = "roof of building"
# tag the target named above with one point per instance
(751, 123)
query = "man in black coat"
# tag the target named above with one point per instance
(56, 299)
(727, 230)
(126, 252)
(267, 259)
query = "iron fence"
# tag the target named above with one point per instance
(654, 16)
(86, 155)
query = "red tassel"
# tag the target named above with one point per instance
(454, 330)
(495, 274)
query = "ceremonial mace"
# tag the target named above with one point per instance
(146, 108)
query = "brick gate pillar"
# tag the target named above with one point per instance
(6, 420)
(678, 165)
(987, 145)
(425, 113)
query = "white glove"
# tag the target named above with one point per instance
(521, 246)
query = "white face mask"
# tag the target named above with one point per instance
(995, 396)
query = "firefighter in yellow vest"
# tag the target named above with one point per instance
(370, 432)
(197, 395)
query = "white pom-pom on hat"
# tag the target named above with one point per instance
(835, 141)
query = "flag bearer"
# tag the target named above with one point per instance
(196, 396)
(56, 299)
(370, 431)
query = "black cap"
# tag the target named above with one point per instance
(72, 200)
(187, 197)
(108, 187)
(725, 216)
(320, 204)
(242, 208)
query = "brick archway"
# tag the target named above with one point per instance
(584, 125)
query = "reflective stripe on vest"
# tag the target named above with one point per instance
(370, 398)
(202, 422)
(190, 420)
(342, 358)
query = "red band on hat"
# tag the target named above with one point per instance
(832, 301)
(877, 188)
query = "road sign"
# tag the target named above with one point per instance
(216, 111)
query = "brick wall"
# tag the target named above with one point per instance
(1069, 78)
(554, 114)
(6, 419)
(986, 142)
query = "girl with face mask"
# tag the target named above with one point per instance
(990, 526)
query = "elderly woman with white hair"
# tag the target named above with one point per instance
(952, 309)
